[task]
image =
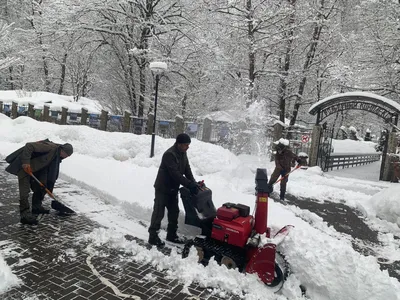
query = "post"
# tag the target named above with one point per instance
(315, 137)
(127, 122)
(14, 110)
(103, 120)
(207, 126)
(31, 111)
(1, 106)
(179, 125)
(84, 116)
(150, 120)
(46, 113)
(153, 134)
(64, 114)
(388, 165)
(157, 68)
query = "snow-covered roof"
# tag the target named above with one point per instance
(370, 97)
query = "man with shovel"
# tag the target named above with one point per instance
(284, 159)
(37, 161)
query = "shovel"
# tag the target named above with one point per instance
(287, 174)
(55, 204)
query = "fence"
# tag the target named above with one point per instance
(236, 136)
(350, 160)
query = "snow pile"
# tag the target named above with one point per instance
(7, 278)
(350, 146)
(387, 205)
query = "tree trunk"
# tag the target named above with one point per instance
(63, 72)
(309, 59)
(252, 54)
(286, 64)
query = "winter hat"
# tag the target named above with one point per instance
(183, 138)
(67, 148)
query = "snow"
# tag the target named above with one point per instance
(54, 101)
(7, 278)
(394, 105)
(351, 146)
(116, 176)
(386, 204)
(282, 141)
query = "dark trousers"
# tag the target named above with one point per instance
(25, 184)
(162, 201)
(275, 176)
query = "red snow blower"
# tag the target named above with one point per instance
(235, 238)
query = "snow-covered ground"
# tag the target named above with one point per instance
(117, 170)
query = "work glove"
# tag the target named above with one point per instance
(27, 168)
(193, 188)
(201, 184)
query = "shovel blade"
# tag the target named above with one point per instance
(61, 208)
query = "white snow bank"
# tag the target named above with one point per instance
(386, 204)
(350, 146)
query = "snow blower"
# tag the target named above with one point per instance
(55, 204)
(235, 238)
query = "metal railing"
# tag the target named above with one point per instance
(351, 160)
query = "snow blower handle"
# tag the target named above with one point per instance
(43, 186)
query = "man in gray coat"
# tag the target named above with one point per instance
(173, 172)
(41, 159)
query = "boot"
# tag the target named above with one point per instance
(155, 240)
(282, 196)
(174, 238)
(27, 218)
(40, 210)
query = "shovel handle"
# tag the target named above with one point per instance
(287, 174)
(43, 186)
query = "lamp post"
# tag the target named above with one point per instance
(158, 68)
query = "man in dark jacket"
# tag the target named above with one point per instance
(41, 159)
(284, 159)
(173, 172)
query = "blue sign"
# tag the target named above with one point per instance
(93, 118)
(116, 120)
(163, 123)
(73, 116)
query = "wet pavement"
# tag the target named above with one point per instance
(349, 221)
(52, 261)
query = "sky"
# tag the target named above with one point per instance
(115, 176)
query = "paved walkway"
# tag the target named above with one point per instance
(53, 264)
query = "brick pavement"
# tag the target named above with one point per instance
(52, 263)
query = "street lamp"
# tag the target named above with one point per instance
(158, 68)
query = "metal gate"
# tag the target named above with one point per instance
(324, 148)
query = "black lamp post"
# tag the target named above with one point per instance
(158, 68)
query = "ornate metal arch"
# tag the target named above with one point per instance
(384, 108)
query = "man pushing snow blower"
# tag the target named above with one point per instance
(37, 166)
(174, 171)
